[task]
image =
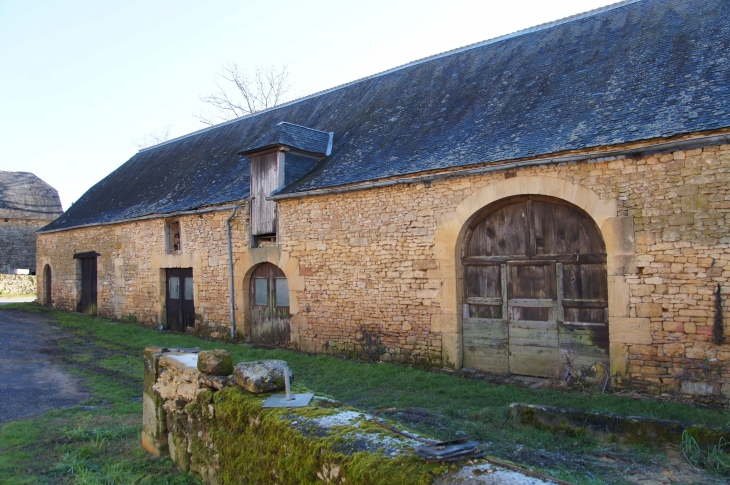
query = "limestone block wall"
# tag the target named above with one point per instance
(17, 243)
(132, 262)
(376, 273)
(17, 284)
(381, 270)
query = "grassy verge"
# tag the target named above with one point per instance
(108, 354)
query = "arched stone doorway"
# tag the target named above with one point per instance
(47, 286)
(535, 294)
(269, 303)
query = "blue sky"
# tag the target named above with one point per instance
(81, 82)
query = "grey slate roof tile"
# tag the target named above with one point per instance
(25, 196)
(294, 136)
(642, 70)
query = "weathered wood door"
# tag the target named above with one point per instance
(532, 314)
(179, 300)
(265, 178)
(88, 285)
(48, 285)
(269, 297)
(535, 290)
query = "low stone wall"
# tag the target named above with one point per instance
(614, 427)
(211, 426)
(17, 284)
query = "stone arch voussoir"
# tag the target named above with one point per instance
(617, 233)
(245, 267)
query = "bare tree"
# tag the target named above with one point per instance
(151, 139)
(265, 89)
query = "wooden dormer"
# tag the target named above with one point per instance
(279, 158)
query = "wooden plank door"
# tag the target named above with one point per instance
(179, 299)
(88, 286)
(269, 297)
(188, 302)
(561, 232)
(584, 329)
(532, 309)
(47, 277)
(546, 260)
(265, 178)
(485, 330)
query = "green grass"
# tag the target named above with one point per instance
(715, 458)
(109, 355)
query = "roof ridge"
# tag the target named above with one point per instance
(302, 126)
(528, 30)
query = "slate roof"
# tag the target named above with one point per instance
(628, 72)
(25, 196)
(293, 136)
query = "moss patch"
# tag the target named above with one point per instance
(269, 445)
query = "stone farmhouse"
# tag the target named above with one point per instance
(531, 204)
(27, 204)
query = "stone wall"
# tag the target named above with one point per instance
(211, 426)
(377, 266)
(17, 284)
(376, 273)
(131, 267)
(17, 244)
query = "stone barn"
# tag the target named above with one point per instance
(539, 202)
(27, 203)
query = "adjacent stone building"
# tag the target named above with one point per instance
(533, 204)
(27, 204)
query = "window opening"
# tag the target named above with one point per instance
(282, 292)
(174, 288)
(188, 287)
(261, 291)
(263, 241)
(174, 241)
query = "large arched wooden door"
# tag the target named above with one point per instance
(269, 297)
(535, 289)
(47, 285)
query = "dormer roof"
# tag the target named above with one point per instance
(289, 135)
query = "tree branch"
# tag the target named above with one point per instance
(241, 95)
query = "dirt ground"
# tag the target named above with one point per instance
(31, 378)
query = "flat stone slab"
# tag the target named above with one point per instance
(488, 474)
(183, 360)
(614, 427)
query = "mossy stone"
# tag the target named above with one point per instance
(261, 375)
(215, 362)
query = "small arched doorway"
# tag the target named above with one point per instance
(535, 297)
(47, 286)
(269, 297)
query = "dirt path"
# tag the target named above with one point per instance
(31, 379)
